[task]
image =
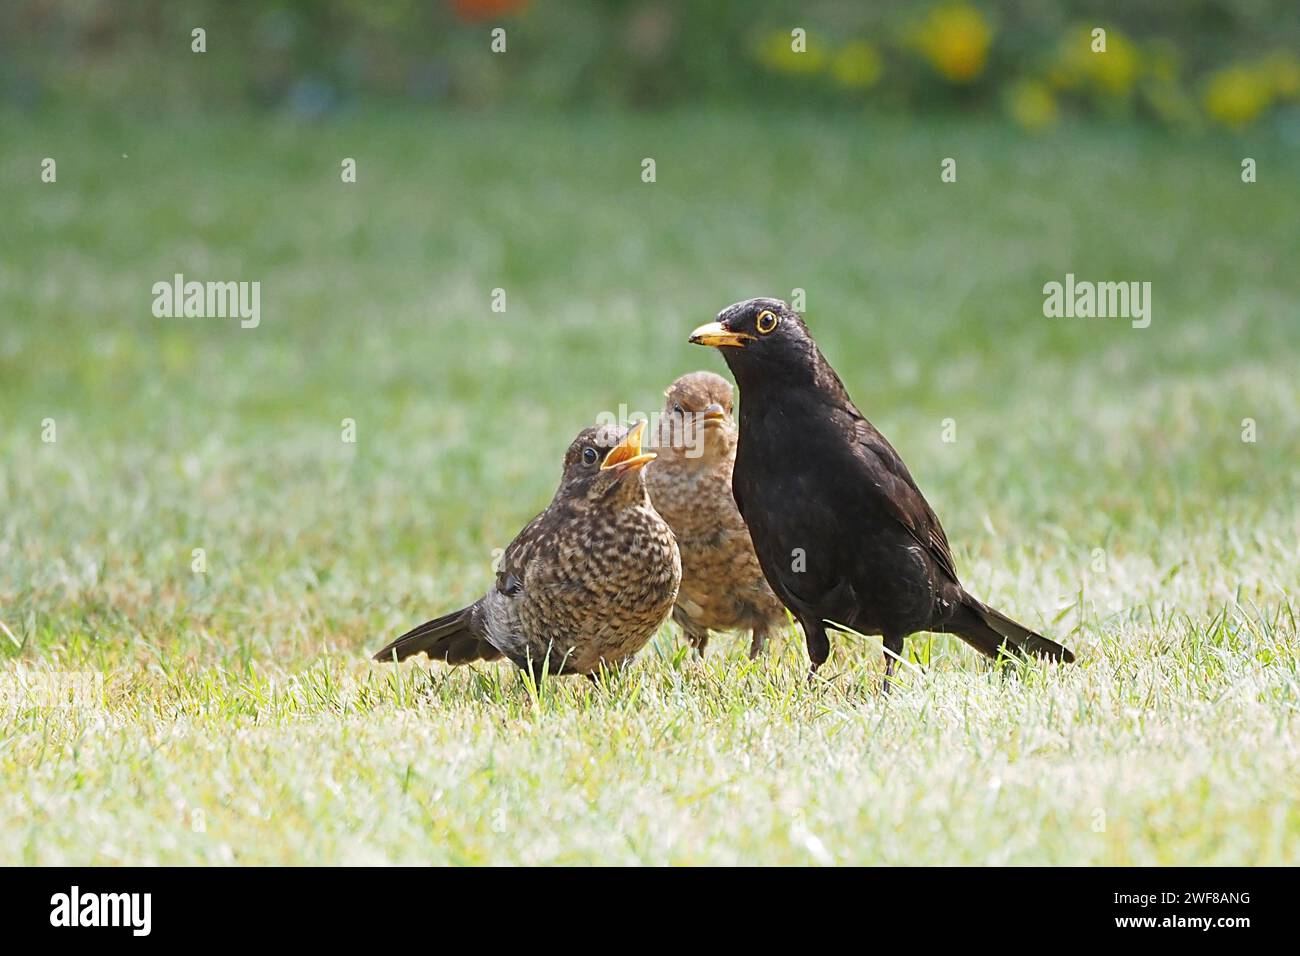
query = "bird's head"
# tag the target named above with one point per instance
(603, 466)
(761, 338)
(696, 423)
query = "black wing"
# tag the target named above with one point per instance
(899, 495)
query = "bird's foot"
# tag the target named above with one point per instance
(888, 683)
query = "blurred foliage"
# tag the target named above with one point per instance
(1227, 62)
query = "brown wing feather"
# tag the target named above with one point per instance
(538, 537)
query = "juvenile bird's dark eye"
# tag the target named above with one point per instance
(677, 407)
(589, 455)
(766, 321)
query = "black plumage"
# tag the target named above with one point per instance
(842, 533)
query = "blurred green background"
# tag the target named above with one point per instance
(1231, 63)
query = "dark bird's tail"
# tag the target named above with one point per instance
(987, 630)
(456, 638)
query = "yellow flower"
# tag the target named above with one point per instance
(1283, 70)
(777, 52)
(1115, 71)
(1112, 72)
(1237, 95)
(955, 39)
(1032, 104)
(856, 65)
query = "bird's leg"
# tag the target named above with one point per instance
(696, 636)
(758, 642)
(893, 651)
(819, 645)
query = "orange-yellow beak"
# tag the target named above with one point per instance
(719, 336)
(714, 414)
(627, 455)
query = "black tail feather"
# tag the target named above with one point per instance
(988, 631)
(454, 638)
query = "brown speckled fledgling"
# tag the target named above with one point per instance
(586, 584)
(722, 585)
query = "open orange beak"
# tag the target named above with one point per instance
(627, 456)
(714, 414)
(719, 336)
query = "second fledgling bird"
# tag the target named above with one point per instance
(722, 585)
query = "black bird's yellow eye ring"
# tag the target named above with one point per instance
(766, 321)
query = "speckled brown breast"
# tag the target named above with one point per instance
(596, 590)
(723, 587)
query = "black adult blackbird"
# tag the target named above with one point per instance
(586, 584)
(842, 533)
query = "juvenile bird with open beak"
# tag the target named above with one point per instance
(722, 587)
(584, 586)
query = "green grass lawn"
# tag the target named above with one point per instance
(1098, 489)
